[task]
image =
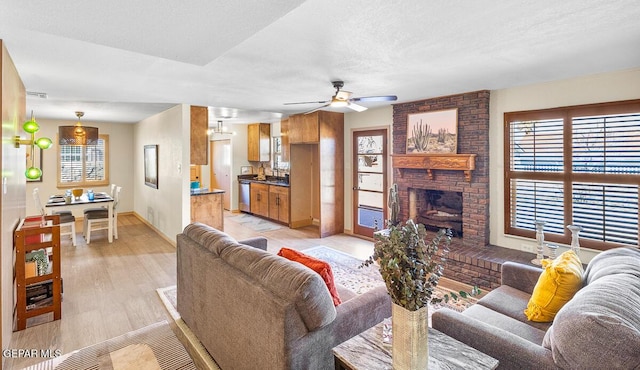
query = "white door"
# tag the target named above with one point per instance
(221, 169)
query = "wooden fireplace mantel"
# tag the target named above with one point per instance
(430, 162)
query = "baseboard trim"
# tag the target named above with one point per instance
(144, 221)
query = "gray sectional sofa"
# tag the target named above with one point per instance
(599, 328)
(252, 309)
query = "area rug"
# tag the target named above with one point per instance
(253, 222)
(348, 273)
(152, 347)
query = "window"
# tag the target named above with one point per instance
(574, 166)
(84, 166)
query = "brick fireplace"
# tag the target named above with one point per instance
(473, 138)
(471, 260)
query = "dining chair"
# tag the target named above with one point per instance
(101, 208)
(98, 219)
(67, 219)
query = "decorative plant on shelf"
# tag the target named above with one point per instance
(410, 266)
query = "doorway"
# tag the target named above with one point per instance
(221, 169)
(369, 181)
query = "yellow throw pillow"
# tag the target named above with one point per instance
(559, 281)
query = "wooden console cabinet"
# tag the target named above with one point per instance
(32, 235)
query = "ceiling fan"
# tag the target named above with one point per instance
(343, 98)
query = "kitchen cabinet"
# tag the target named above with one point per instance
(260, 199)
(279, 203)
(194, 173)
(207, 208)
(316, 188)
(295, 129)
(259, 142)
(284, 137)
(199, 137)
(305, 128)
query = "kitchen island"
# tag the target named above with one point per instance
(207, 207)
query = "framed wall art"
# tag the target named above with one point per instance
(433, 132)
(151, 166)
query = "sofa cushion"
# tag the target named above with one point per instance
(504, 322)
(321, 267)
(511, 302)
(601, 321)
(560, 279)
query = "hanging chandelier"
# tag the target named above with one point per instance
(78, 134)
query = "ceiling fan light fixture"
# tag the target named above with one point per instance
(338, 103)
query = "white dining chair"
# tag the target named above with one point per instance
(98, 219)
(67, 219)
(101, 208)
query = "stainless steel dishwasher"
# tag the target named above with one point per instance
(244, 196)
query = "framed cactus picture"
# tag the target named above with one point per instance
(433, 132)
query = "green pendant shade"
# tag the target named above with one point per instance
(31, 127)
(33, 173)
(44, 143)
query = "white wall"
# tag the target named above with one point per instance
(120, 163)
(168, 207)
(370, 119)
(621, 85)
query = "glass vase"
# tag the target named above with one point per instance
(575, 237)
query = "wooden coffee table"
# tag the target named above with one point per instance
(367, 352)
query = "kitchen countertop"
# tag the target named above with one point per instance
(270, 180)
(204, 191)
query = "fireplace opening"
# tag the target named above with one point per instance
(437, 209)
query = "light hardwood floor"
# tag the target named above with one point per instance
(110, 289)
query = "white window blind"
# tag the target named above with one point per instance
(84, 165)
(570, 166)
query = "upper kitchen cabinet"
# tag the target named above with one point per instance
(199, 137)
(259, 142)
(284, 137)
(305, 128)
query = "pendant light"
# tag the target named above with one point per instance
(78, 134)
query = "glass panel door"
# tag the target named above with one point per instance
(370, 181)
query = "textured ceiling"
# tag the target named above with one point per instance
(124, 61)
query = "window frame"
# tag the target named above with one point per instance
(567, 177)
(84, 182)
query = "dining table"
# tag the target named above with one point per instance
(100, 198)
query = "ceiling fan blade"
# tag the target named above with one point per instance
(313, 110)
(357, 107)
(308, 102)
(376, 98)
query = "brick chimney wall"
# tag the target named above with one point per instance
(473, 138)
